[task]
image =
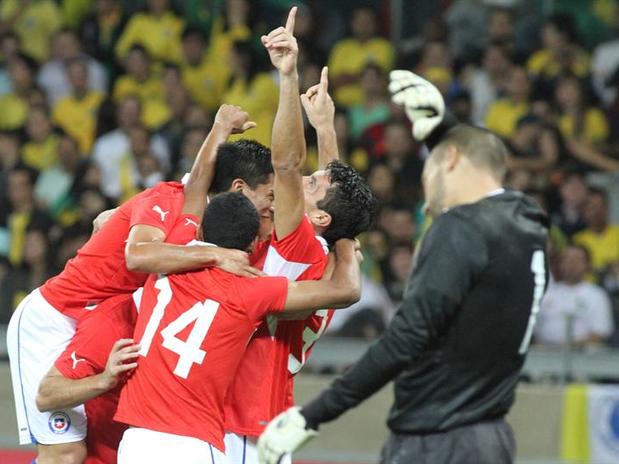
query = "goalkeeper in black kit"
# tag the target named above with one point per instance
(457, 344)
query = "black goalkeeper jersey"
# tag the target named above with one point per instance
(458, 341)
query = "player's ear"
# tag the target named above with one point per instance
(320, 218)
(237, 185)
(452, 157)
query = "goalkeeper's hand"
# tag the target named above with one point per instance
(285, 434)
(422, 101)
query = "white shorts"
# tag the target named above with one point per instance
(36, 336)
(148, 446)
(241, 449)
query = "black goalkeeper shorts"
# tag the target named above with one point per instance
(490, 442)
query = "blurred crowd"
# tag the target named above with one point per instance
(100, 99)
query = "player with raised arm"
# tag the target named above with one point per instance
(193, 329)
(115, 261)
(311, 213)
(461, 334)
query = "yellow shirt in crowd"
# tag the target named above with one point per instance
(543, 63)
(13, 113)
(41, 155)
(259, 98)
(160, 36)
(595, 128)
(78, 117)
(206, 82)
(604, 247)
(36, 25)
(155, 110)
(349, 56)
(503, 115)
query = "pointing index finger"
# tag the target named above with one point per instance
(290, 20)
(324, 79)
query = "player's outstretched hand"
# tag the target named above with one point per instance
(234, 119)
(422, 101)
(285, 434)
(282, 45)
(236, 262)
(318, 104)
(122, 359)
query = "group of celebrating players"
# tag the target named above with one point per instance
(175, 333)
(161, 340)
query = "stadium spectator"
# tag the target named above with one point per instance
(14, 105)
(10, 158)
(577, 118)
(569, 216)
(76, 112)
(503, 115)
(41, 150)
(55, 185)
(375, 106)
(9, 47)
(604, 64)
(192, 141)
(157, 29)
(23, 213)
(574, 311)
(204, 78)
(560, 51)
(600, 237)
(351, 55)
(252, 88)
(53, 77)
(100, 31)
(400, 261)
(110, 150)
(143, 83)
(534, 151)
(34, 22)
(489, 81)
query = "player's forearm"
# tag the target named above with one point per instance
(203, 170)
(327, 146)
(288, 140)
(59, 392)
(165, 258)
(373, 371)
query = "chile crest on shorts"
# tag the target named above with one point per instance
(59, 422)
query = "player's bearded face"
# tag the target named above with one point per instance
(433, 187)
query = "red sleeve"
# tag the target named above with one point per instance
(87, 353)
(301, 245)
(157, 210)
(262, 295)
(184, 231)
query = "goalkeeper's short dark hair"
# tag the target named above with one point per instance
(349, 201)
(230, 221)
(244, 159)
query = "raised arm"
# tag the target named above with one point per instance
(288, 139)
(58, 392)
(340, 291)
(228, 120)
(320, 111)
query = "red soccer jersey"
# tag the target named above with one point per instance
(193, 328)
(87, 355)
(99, 270)
(263, 384)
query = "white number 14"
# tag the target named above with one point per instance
(189, 351)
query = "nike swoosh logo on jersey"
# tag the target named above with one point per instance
(157, 209)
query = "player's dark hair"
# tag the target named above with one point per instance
(482, 147)
(349, 201)
(247, 160)
(230, 221)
